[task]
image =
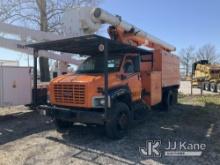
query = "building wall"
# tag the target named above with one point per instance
(9, 63)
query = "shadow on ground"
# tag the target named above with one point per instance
(193, 124)
(21, 124)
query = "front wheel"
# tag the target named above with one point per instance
(118, 121)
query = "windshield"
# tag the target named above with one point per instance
(95, 64)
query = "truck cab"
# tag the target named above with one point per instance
(85, 87)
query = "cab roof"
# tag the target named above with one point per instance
(87, 45)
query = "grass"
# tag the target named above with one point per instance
(200, 100)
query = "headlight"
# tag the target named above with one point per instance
(99, 101)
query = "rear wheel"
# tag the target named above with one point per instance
(118, 121)
(62, 126)
(168, 100)
(213, 87)
(175, 96)
(218, 88)
(207, 86)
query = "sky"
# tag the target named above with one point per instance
(178, 22)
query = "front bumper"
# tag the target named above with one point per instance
(73, 115)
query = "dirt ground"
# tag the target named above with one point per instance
(28, 138)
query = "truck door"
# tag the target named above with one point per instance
(131, 69)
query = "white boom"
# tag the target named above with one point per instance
(88, 19)
(25, 36)
(100, 16)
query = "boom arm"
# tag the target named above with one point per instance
(128, 33)
(88, 19)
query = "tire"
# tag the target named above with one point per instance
(175, 96)
(62, 126)
(213, 87)
(168, 100)
(207, 86)
(118, 121)
(218, 88)
(203, 86)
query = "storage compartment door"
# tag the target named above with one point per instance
(151, 83)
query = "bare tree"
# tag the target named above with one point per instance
(187, 56)
(208, 52)
(44, 15)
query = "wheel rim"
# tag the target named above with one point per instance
(212, 88)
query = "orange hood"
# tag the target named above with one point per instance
(77, 78)
(97, 79)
